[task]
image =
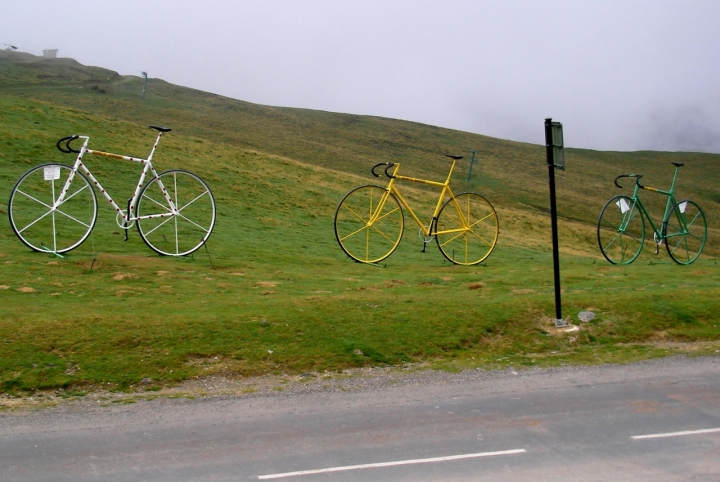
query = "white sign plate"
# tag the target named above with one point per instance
(624, 207)
(52, 173)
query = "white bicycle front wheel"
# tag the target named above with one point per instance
(179, 231)
(43, 223)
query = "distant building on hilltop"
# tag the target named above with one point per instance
(50, 53)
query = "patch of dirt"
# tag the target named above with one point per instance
(526, 291)
(122, 276)
(26, 289)
(475, 285)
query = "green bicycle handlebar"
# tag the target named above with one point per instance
(637, 181)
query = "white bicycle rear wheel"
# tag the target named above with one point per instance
(184, 230)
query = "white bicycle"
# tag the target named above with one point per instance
(53, 207)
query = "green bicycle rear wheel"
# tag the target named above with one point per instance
(685, 232)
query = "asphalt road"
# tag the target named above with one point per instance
(652, 421)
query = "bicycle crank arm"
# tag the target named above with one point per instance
(125, 224)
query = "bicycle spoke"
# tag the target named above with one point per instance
(37, 220)
(381, 233)
(188, 204)
(162, 205)
(167, 218)
(67, 198)
(193, 223)
(73, 218)
(36, 200)
(352, 211)
(353, 233)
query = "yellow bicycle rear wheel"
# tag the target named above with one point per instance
(369, 224)
(466, 229)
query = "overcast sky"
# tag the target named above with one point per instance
(619, 75)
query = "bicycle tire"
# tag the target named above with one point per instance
(467, 229)
(621, 230)
(685, 232)
(185, 230)
(44, 228)
(363, 240)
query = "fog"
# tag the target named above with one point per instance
(619, 75)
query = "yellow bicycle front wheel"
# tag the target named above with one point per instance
(369, 224)
(467, 229)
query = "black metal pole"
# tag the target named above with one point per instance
(553, 216)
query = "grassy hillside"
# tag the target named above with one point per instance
(274, 293)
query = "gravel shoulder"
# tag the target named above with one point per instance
(374, 383)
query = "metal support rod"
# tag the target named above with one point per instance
(553, 215)
(144, 74)
(472, 161)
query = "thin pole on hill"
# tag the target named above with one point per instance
(144, 74)
(472, 161)
(553, 146)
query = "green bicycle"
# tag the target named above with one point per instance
(621, 226)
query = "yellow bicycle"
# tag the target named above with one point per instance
(369, 220)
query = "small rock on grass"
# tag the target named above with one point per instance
(586, 316)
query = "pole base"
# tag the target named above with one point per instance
(560, 323)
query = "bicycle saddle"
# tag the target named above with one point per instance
(161, 129)
(678, 164)
(457, 158)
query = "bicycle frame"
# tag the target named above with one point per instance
(670, 193)
(129, 216)
(446, 191)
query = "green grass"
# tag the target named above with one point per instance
(275, 294)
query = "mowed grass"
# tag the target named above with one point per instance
(273, 293)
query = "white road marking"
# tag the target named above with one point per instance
(390, 464)
(676, 434)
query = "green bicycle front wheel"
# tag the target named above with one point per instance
(685, 232)
(621, 230)
(466, 230)
(369, 224)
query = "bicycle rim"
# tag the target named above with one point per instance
(621, 230)
(41, 224)
(467, 229)
(685, 232)
(369, 224)
(179, 232)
